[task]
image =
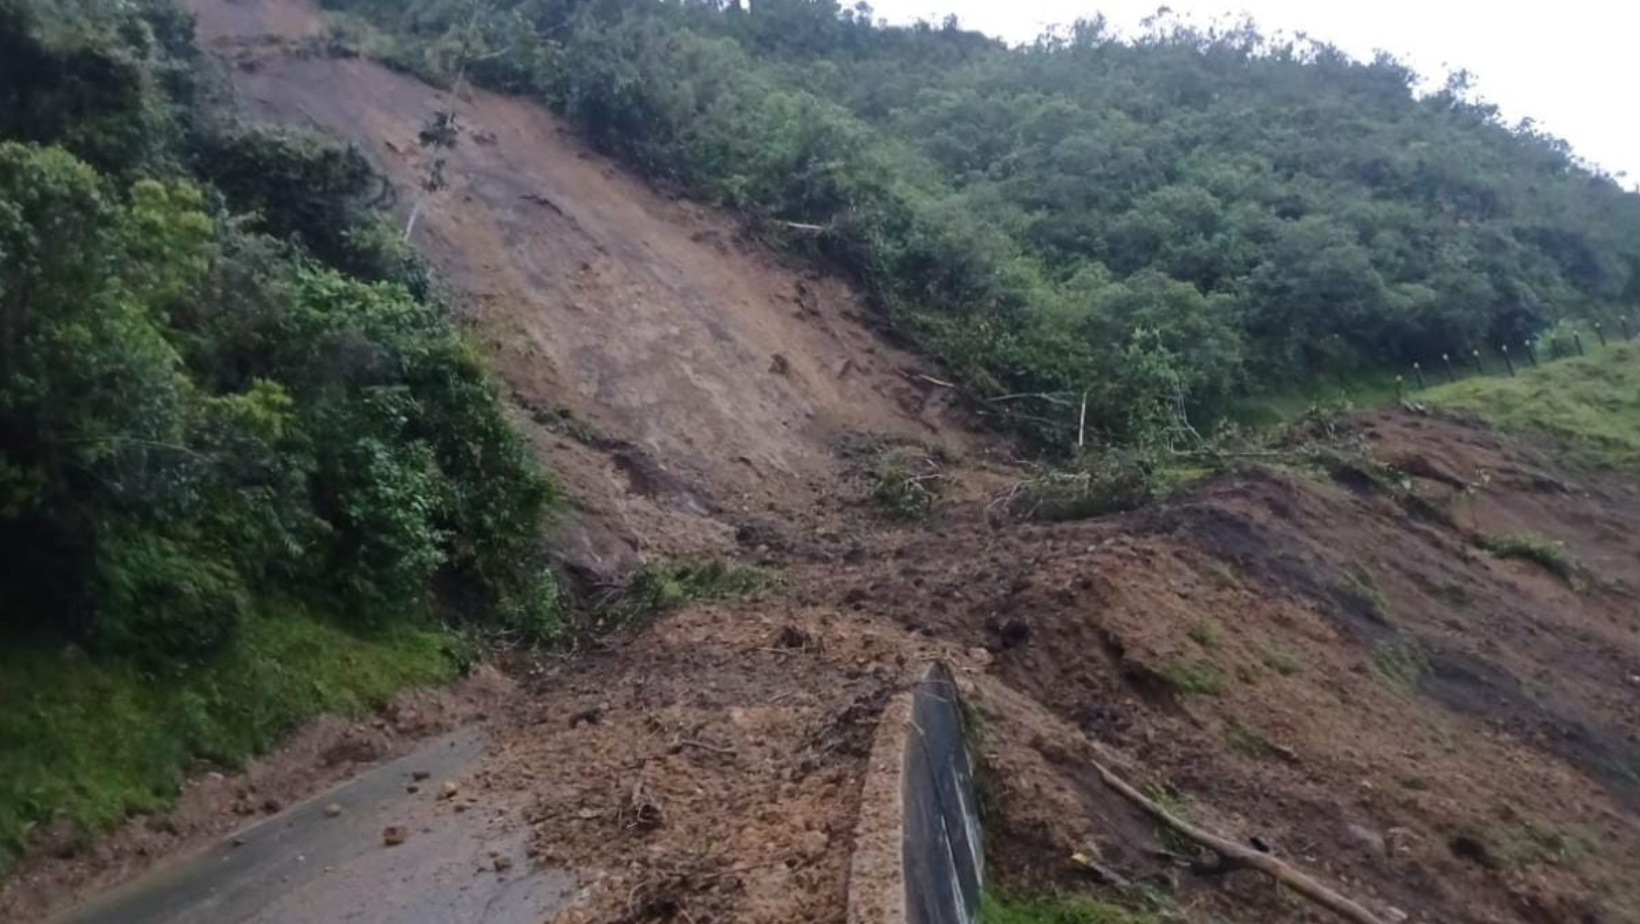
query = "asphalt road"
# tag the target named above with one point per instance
(309, 866)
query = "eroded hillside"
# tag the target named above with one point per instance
(1357, 661)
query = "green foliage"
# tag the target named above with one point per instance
(1400, 664)
(1282, 662)
(1057, 908)
(192, 413)
(1588, 404)
(98, 739)
(1193, 678)
(1147, 221)
(905, 484)
(212, 398)
(1548, 554)
(1246, 741)
(659, 586)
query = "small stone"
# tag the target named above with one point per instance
(332, 810)
(394, 835)
(272, 806)
(502, 864)
(412, 788)
(448, 790)
(461, 807)
(419, 775)
(1368, 838)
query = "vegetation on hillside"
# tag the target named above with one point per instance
(1176, 217)
(1589, 405)
(222, 383)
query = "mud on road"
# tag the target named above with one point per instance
(1329, 663)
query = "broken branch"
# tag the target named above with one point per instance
(1236, 854)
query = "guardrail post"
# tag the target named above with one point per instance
(1507, 362)
(1476, 356)
(1531, 353)
(1450, 377)
(1577, 341)
(1418, 370)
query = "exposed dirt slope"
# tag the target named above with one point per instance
(714, 377)
(1331, 664)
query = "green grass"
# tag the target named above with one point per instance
(1376, 388)
(1282, 662)
(99, 740)
(1246, 741)
(1193, 679)
(1548, 554)
(1589, 404)
(662, 585)
(1057, 908)
(1400, 663)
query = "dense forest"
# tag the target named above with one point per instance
(1182, 214)
(222, 378)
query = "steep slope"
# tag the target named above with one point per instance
(1330, 662)
(713, 376)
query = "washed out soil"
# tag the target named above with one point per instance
(1323, 661)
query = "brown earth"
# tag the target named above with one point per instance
(1327, 661)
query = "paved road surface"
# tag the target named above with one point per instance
(305, 867)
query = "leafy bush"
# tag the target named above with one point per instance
(199, 407)
(904, 484)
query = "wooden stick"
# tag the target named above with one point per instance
(1244, 856)
(1082, 425)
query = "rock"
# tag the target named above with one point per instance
(412, 788)
(812, 844)
(1368, 838)
(332, 810)
(419, 775)
(394, 835)
(502, 864)
(272, 806)
(448, 790)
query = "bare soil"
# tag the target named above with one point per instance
(1331, 664)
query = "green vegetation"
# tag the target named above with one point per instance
(1400, 664)
(222, 384)
(1248, 742)
(663, 585)
(1588, 404)
(1282, 662)
(1179, 218)
(1526, 844)
(1548, 554)
(95, 739)
(1205, 634)
(905, 484)
(1191, 678)
(1058, 908)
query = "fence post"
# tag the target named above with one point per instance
(1418, 370)
(1507, 362)
(1577, 341)
(1476, 356)
(1531, 353)
(1600, 332)
(1626, 333)
(1445, 358)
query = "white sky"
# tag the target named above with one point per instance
(1573, 65)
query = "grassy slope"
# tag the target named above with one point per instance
(1590, 404)
(99, 740)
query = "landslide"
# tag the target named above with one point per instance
(1327, 659)
(680, 375)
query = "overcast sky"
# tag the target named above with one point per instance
(1571, 65)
